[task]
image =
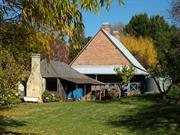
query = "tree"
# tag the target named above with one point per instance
(175, 10)
(10, 71)
(139, 25)
(58, 50)
(142, 25)
(14, 38)
(161, 33)
(77, 43)
(46, 19)
(125, 73)
(119, 27)
(174, 58)
(15, 51)
(43, 20)
(143, 49)
(51, 16)
(166, 43)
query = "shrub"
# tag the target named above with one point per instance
(9, 98)
(113, 94)
(48, 96)
(174, 91)
(58, 97)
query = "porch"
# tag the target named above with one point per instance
(70, 90)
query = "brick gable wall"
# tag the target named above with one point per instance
(101, 51)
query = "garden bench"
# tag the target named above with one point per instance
(32, 99)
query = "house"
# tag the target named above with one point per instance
(58, 78)
(102, 54)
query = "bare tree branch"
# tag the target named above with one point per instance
(175, 11)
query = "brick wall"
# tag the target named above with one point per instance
(101, 51)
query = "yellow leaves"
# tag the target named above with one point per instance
(76, 46)
(24, 13)
(121, 2)
(142, 48)
(126, 72)
(56, 15)
(10, 70)
(36, 38)
(44, 40)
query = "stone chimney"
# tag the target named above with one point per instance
(35, 63)
(106, 27)
(116, 34)
(35, 81)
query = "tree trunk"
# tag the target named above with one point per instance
(163, 93)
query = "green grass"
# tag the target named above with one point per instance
(146, 115)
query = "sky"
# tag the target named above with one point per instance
(124, 13)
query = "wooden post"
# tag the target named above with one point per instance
(91, 93)
(96, 77)
(95, 90)
(59, 89)
(58, 84)
(85, 91)
(100, 93)
(119, 91)
(44, 84)
(76, 90)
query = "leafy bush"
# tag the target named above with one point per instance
(9, 98)
(133, 92)
(174, 91)
(48, 96)
(113, 94)
(58, 97)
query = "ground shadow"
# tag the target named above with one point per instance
(6, 123)
(129, 99)
(154, 119)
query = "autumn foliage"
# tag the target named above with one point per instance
(142, 48)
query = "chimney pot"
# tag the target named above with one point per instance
(106, 27)
(116, 34)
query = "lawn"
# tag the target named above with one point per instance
(146, 115)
